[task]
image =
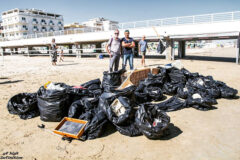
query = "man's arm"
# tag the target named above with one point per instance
(132, 45)
(139, 47)
(126, 44)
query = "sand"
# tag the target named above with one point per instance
(197, 135)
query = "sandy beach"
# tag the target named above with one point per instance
(197, 135)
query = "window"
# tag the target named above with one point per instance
(23, 18)
(25, 33)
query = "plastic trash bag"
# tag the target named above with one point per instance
(155, 93)
(170, 88)
(119, 113)
(112, 80)
(24, 105)
(75, 109)
(171, 104)
(151, 121)
(177, 76)
(201, 101)
(97, 120)
(140, 95)
(53, 104)
(226, 91)
(130, 129)
(95, 82)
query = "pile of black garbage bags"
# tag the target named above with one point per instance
(143, 108)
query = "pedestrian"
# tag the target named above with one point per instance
(142, 47)
(53, 52)
(128, 45)
(238, 49)
(61, 57)
(113, 48)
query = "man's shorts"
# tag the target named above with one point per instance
(143, 53)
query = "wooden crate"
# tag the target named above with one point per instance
(155, 70)
(74, 121)
(134, 77)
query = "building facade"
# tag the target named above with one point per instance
(101, 24)
(18, 23)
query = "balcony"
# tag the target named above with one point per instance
(35, 22)
(43, 22)
(60, 24)
(35, 29)
(51, 23)
(43, 30)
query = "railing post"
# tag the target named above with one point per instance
(232, 16)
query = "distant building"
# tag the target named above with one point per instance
(18, 23)
(79, 28)
(1, 29)
(101, 24)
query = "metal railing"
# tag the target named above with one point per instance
(186, 20)
(195, 19)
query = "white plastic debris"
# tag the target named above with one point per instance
(117, 107)
(177, 64)
(53, 86)
(196, 96)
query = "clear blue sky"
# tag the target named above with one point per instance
(123, 10)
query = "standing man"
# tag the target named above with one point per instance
(238, 49)
(53, 52)
(142, 46)
(128, 44)
(113, 48)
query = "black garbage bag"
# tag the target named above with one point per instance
(170, 88)
(81, 106)
(226, 91)
(185, 91)
(92, 84)
(97, 120)
(201, 101)
(140, 95)
(172, 104)
(188, 74)
(77, 93)
(119, 113)
(151, 121)
(53, 104)
(130, 129)
(24, 105)
(76, 109)
(112, 80)
(155, 93)
(182, 92)
(156, 80)
(177, 76)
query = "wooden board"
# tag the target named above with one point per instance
(134, 77)
(71, 127)
(155, 70)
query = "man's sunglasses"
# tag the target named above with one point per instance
(116, 33)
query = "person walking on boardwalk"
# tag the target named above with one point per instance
(113, 48)
(53, 52)
(142, 46)
(61, 56)
(128, 44)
